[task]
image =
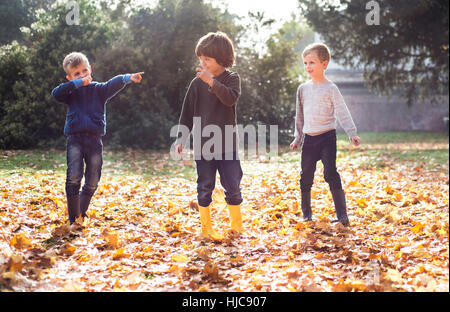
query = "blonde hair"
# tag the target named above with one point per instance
(321, 49)
(74, 59)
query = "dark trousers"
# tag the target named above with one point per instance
(315, 148)
(83, 149)
(230, 172)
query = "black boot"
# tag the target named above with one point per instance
(340, 206)
(73, 206)
(84, 204)
(306, 206)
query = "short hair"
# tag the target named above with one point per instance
(218, 46)
(323, 52)
(74, 59)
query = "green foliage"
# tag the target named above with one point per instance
(15, 14)
(270, 79)
(12, 17)
(408, 50)
(31, 116)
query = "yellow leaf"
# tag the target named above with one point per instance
(174, 210)
(20, 241)
(237, 259)
(70, 250)
(203, 253)
(173, 268)
(417, 228)
(112, 239)
(211, 270)
(398, 196)
(389, 190)
(180, 258)
(393, 275)
(361, 202)
(15, 263)
(216, 236)
(118, 254)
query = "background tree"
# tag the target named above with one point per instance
(408, 50)
(161, 42)
(270, 76)
(31, 117)
(15, 14)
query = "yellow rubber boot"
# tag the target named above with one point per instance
(205, 220)
(236, 218)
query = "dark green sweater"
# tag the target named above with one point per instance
(215, 105)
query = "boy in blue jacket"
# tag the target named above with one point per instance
(85, 126)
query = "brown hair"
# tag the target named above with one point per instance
(218, 46)
(74, 59)
(321, 49)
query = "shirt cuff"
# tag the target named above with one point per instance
(78, 83)
(352, 133)
(126, 78)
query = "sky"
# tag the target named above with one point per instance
(277, 9)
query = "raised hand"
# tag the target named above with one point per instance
(205, 75)
(87, 80)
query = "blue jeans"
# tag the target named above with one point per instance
(315, 148)
(230, 172)
(83, 149)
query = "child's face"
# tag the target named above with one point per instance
(78, 72)
(211, 65)
(314, 66)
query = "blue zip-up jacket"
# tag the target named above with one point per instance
(86, 104)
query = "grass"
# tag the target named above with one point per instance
(381, 149)
(378, 150)
(427, 149)
(399, 137)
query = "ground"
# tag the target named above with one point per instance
(143, 230)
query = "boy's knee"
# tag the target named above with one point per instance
(89, 190)
(204, 200)
(72, 188)
(333, 180)
(235, 199)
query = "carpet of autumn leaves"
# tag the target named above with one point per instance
(142, 234)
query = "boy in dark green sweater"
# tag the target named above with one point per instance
(210, 106)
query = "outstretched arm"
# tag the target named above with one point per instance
(110, 88)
